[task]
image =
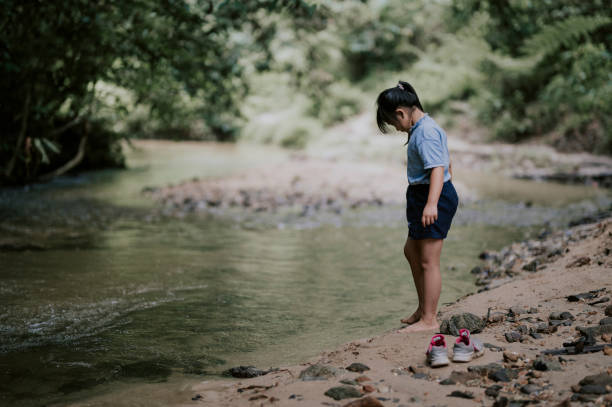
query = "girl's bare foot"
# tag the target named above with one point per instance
(421, 326)
(412, 318)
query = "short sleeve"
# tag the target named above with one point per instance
(432, 150)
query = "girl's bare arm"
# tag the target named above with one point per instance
(430, 212)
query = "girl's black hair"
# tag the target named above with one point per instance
(390, 99)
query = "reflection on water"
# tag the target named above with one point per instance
(137, 300)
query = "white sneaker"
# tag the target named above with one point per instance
(466, 348)
(437, 354)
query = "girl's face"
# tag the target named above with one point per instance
(403, 116)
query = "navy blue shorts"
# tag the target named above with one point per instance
(416, 198)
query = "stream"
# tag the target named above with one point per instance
(102, 295)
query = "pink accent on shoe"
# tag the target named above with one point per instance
(436, 340)
(464, 336)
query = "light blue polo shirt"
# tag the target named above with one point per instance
(427, 149)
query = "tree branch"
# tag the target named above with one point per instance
(70, 164)
(22, 132)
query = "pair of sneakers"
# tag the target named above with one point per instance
(464, 349)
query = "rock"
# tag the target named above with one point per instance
(522, 329)
(594, 330)
(579, 262)
(503, 375)
(462, 377)
(593, 389)
(343, 392)
(319, 372)
(531, 266)
(493, 391)
(561, 315)
(516, 311)
(606, 338)
(350, 382)
(384, 389)
(513, 336)
(606, 321)
(476, 270)
(535, 335)
(417, 369)
(511, 356)
(362, 379)
(600, 301)
(462, 394)
(357, 367)
(545, 328)
(493, 348)
(546, 364)
(368, 401)
(466, 320)
(447, 381)
(368, 388)
(530, 389)
(420, 376)
(496, 317)
(533, 310)
(609, 310)
(245, 372)
(564, 322)
(582, 296)
(484, 370)
(602, 379)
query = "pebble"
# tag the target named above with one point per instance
(319, 372)
(609, 310)
(512, 336)
(561, 315)
(245, 372)
(503, 375)
(368, 388)
(493, 391)
(357, 367)
(530, 388)
(606, 321)
(545, 364)
(342, 392)
(602, 379)
(462, 394)
(417, 369)
(349, 382)
(511, 356)
(368, 401)
(493, 348)
(362, 379)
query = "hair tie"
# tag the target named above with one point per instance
(399, 85)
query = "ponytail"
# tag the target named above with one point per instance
(390, 99)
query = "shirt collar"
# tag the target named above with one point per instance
(418, 123)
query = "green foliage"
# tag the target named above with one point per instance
(550, 73)
(179, 59)
(563, 33)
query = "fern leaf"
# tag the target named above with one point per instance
(563, 33)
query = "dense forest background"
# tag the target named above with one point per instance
(78, 76)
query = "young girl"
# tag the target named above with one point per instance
(431, 199)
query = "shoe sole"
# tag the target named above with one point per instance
(468, 357)
(439, 363)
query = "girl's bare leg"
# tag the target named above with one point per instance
(429, 252)
(411, 251)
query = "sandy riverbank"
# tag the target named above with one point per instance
(519, 304)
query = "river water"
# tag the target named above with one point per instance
(106, 302)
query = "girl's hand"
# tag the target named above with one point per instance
(430, 214)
